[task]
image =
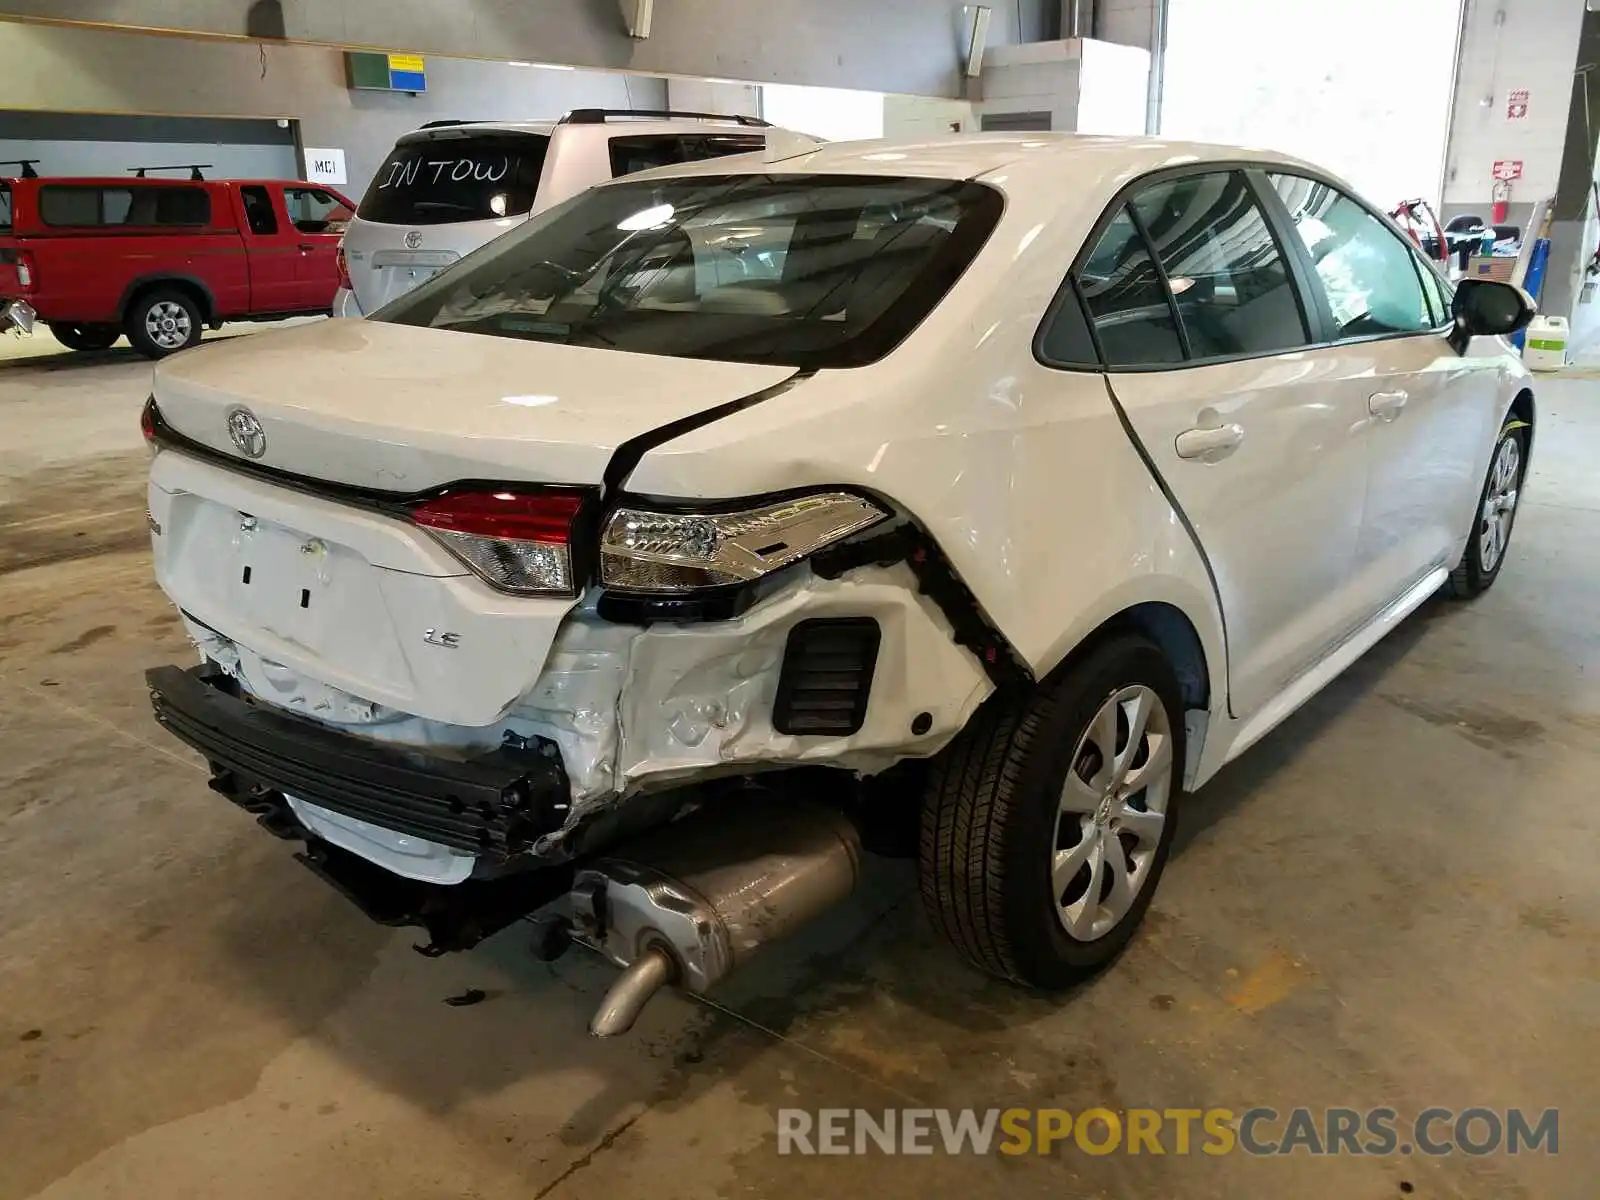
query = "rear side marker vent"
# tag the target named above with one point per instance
(827, 677)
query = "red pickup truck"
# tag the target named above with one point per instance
(161, 259)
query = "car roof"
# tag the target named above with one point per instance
(617, 125)
(1085, 160)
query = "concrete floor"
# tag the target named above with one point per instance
(1394, 900)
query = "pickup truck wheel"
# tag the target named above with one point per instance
(1047, 822)
(86, 337)
(163, 322)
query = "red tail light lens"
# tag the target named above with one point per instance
(147, 421)
(518, 542)
(343, 265)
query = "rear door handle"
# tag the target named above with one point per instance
(308, 246)
(1386, 405)
(1209, 445)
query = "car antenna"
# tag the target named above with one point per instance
(25, 163)
(194, 170)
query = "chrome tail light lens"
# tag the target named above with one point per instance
(649, 550)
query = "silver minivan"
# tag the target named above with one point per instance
(451, 186)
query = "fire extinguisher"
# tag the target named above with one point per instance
(1501, 197)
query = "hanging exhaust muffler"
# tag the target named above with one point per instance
(689, 904)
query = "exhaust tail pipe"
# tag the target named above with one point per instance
(690, 904)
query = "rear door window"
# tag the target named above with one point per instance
(440, 178)
(640, 152)
(5, 208)
(1229, 283)
(1126, 300)
(259, 214)
(73, 206)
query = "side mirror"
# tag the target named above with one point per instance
(1488, 308)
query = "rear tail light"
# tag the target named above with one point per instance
(25, 275)
(147, 422)
(518, 542)
(343, 265)
(645, 550)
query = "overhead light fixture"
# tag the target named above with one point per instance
(639, 20)
(979, 38)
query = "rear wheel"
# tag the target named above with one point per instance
(1048, 822)
(86, 337)
(162, 322)
(1497, 512)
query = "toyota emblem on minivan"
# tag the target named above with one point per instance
(246, 433)
(414, 240)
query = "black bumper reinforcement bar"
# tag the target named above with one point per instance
(495, 805)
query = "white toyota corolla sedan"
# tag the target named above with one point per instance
(629, 569)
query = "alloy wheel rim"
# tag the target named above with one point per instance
(167, 324)
(1499, 504)
(1113, 811)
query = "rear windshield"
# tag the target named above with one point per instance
(807, 270)
(439, 178)
(5, 207)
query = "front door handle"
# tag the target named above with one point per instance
(1386, 405)
(1210, 445)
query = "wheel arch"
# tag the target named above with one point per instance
(1523, 409)
(1172, 631)
(196, 288)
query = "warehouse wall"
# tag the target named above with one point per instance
(1511, 45)
(886, 45)
(46, 68)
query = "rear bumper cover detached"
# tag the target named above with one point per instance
(494, 806)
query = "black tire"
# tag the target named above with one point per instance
(1472, 575)
(147, 315)
(989, 818)
(86, 337)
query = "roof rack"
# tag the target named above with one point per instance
(194, 170)
(599, 116)
(25, 163)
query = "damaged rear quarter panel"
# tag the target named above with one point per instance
(635, 708)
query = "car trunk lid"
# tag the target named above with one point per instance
(353, 596)
(403, 409)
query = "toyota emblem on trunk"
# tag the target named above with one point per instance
(247, 433)
(414, 240)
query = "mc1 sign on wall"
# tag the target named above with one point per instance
(325, 166)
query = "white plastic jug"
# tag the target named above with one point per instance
(1545, 348)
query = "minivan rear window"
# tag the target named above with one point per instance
(811, 271)
(438, 178)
